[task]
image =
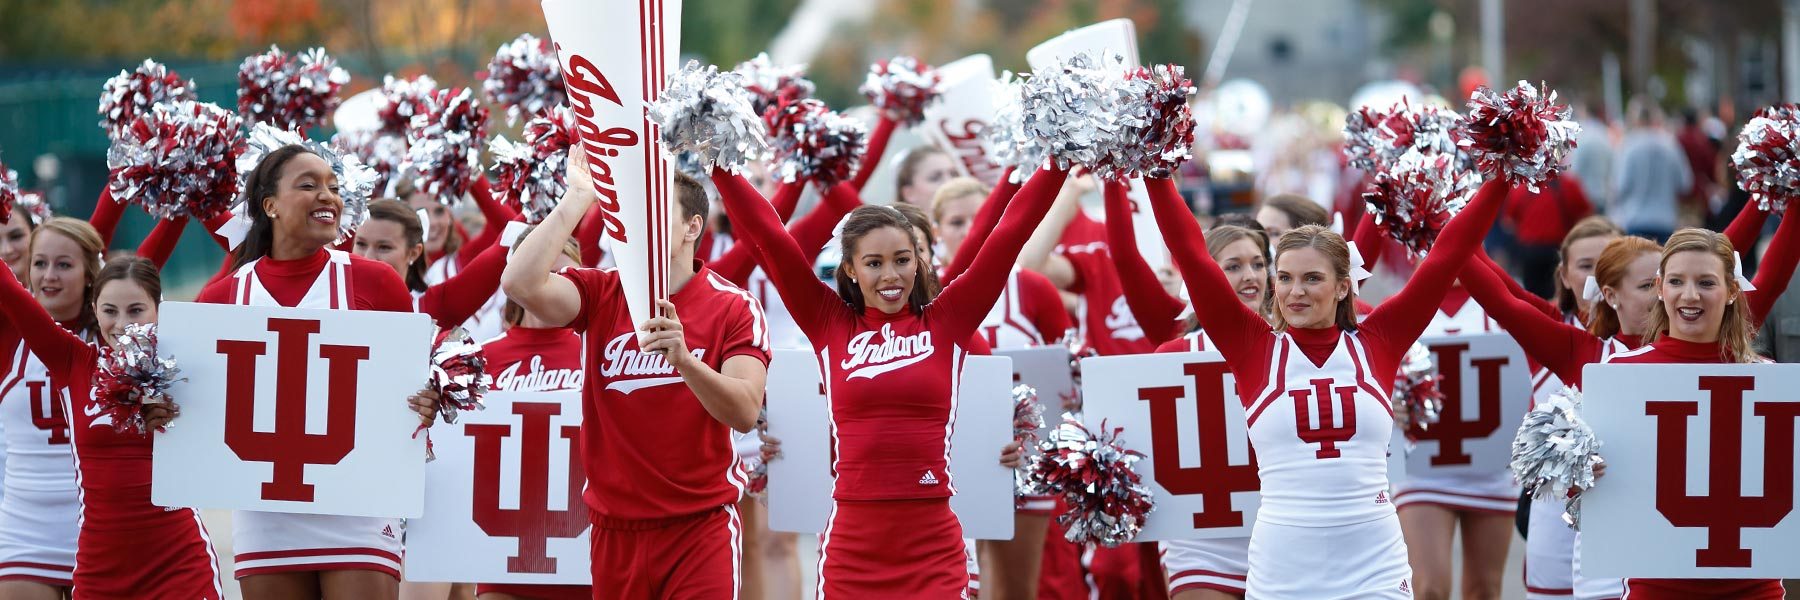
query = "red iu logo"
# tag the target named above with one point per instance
(1451, 430)
(1724, 511)
(1326, 435)
(1216, 478)
(289, 448)
(533, 522)
(47, 412)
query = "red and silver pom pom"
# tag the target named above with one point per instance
(1555, 451)
(444, 145)
(290, 92)
(1064, 114)
(130, 376)
(459, 374)
(525, 77)
(179, 159)
(530, 176)
(1097, 478)
(812, 141)
(383, 154)
(356, 181)
(1416, 197)
(9, 192)
(770, 85)
(1768, 156)
(1374, 139)
(1157, 125)
(1028, 414)
(1418, 399)
(35, 207)
(707, 112)
(1521, 135)
(901, 87)
(132, 93)
(403, 99)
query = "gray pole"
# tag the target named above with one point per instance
(1790, 50)
(1643, 43)
(1493, 42)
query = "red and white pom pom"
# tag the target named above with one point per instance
(402, 99)
(1067, 114)
(384, 153)
(530, 176)
(813, 142)
(1375, 138)
(901, 87)
(459, 374)
(1521, 135)
(525, 77)
(290, 92)
(1418, 401)
(1156, 132)
(132, 93)
(1768, 156)
(1028, 414)
(9, 192)
(1097, 479)
(1414, 198)
(444, 145)
(769, 85)
(130, 376)
(179, 159)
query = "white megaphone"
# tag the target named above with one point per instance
(964, 109)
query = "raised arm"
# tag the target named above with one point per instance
(496, 213)
(1155, 309)
(1746, 228)
(1040, 252)
(587, 238)
(107, 213)
(60, 350)
(878, 142)
(1233, 327)
(787, 198)
(161, 242)
(527, 278)
(959, 305)
(459, 297)
(1777, 266)
(811, 232)
(1518, 291)
(985, 220)
(788, 266)
(1560, 347)
(1399, 321)
(1368, 240)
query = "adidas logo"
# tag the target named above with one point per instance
(1381, 497)
(1404, 586)
(928, 479)
(388, 531)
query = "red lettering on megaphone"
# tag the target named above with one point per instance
(586, 83)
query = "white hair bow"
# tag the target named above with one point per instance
(424, 226)
(1737, 272)
(237, 228)
(1590, 290)
(1337, 223)
(1357, 272)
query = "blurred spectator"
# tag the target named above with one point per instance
(1538, 222)
(1702, 153)
(1593, 157)
(1650, 175)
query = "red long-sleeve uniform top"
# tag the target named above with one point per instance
(986, 218)
(372, 285)
(1670, 350)
(811, 231)
(1543, 217)
(1111, 328)
(1157, 312)
(459, 297)
(891, 378)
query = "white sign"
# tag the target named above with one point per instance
(800, 480)
(963, 110)
(1487, 389)
(1099, 40)
(1046, 369)
(505, 495)
(293, 410)
(616, 57)
(1182, 411)
(1699, 471)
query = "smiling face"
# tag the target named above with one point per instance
(438, 215)
(953, 220)
(15, 244)
(306, 207)
(1695, 288)
(59, 276)
(1247, 270)
(1578, 264)
(884, 266)
(119, 303)
(1307, 288)
(1635, 295)
(385, 241)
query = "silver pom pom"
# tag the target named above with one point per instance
(356, 182)
(1555, 451)
(1065, 114)
(707, 112)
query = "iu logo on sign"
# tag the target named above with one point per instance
(1451, 430)
(1724, 511)
(1216, 478)
(289, 448)
(533, 523)
(47, 411)
(1330, 431)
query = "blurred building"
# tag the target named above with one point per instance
(1299, 49)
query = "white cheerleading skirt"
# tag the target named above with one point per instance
(268, 542)
(38, 529)
(1549, 553)
(1221, 564)
(1362, 561)
(1490, 492)
(1594, 588)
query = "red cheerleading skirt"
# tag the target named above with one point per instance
(170, 557)
(893, 549)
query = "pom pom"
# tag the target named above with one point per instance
(814, 142)
(901, 87)
(531, 174)
(403, 99)
(707, 112)
(178, 159)
(770, 85)
(459, 374)
(1418, 401)
(131, 376)
(290, 92)
(33, 206)
(1414, 199)
(1097, 478)
(1157, 132)
(383, 154)
(1768, 156)
(1028, 414)
(132, 93)
(356, 182)
(444, 145)
(524, 77)
(9, 192)
(1520, 135)
(1067, 114)
(1374, 139)
(1555, 451)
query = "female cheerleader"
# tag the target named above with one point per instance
(392, 235)
(286, 260)
(925, 169)
(891, 360)
(451, 251)
(39, 510)
(1314, 388)
(15, 242)
(1282, 213)
(117, 518)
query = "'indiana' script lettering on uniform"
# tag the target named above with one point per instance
(630, 362)
(867, 359)
(537, 379)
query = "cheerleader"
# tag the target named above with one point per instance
(891, 360)
(294, 208)
(1324, 485)
(1282, 213)
(39, 511)
(15, 242)
(392, 235)
(450, 250)
(1700, 316)
(924, 169)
